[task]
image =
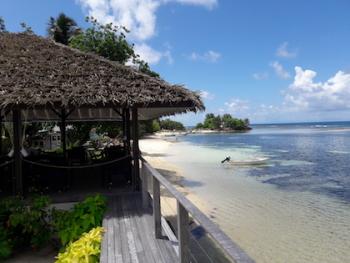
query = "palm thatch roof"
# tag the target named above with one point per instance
(37, 74)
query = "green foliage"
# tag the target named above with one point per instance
(168, 124)
(5, 247)
(23, 224)
(199, 126)
(226, 122)
(212, 122)
(155, 126)
(109, 41)
(86, 249)
(86, 215)
(80, 132)
(62, 28)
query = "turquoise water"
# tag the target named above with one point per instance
(294, 208)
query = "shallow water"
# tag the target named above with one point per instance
(296, 208)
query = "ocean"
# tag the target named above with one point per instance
(293, 208)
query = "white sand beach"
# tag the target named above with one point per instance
(154, 149)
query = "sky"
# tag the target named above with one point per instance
(271, 61)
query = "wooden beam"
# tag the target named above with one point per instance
(135, 150)
(156, 208)
(17, 142)
(183, 233)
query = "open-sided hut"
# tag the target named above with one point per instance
(44, 81)
(41, 80)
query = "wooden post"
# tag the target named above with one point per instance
(183, 233)
(124, 130)
(1, 119)
(63, 134)
(135, 150)
(144, 179)
(17, 141)
(127, 128)
(156, 208)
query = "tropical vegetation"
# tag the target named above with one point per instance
(224, 122)
(31, 223)
(86, 249)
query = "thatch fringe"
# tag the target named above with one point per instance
(37, 72)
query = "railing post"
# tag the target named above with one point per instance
(135, 150)
(156, 208)
(183, 233)
(144, 179)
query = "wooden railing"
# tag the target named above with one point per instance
(184, 209)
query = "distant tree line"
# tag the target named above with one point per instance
(224, 122)
(158, 125)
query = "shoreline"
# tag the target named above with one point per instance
(153, 148)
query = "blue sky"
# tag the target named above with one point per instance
(270, 61)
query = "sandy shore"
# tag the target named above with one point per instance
(154, 149)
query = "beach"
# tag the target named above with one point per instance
(154, 149)
(270, 223)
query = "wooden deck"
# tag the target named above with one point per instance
(130, 234)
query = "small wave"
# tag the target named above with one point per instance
(294, 162)
(282, 151)
(339, 152)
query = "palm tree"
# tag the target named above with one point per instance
(62, 28)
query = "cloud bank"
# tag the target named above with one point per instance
(307, 94)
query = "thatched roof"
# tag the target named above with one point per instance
(39, 74)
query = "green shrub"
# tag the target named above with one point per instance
(70, 225)
(23, 224)
(86, 249)
(5, 247)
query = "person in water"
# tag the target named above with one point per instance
(227, 159)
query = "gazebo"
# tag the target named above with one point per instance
(41, 80)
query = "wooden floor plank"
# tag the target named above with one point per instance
(144, 235)
(129, 236)
(125, 249)
(117, 237)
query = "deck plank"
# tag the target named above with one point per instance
(129, 236)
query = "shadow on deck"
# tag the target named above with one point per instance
(129, 233)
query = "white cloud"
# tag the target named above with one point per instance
(283, 51)
(237, 106)
(261, 76)
(139, 16)
(206, 95)
(209, 56)
(279, 70)
(151, 55)
(306, 94)
(148, 54)
(305, 99)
